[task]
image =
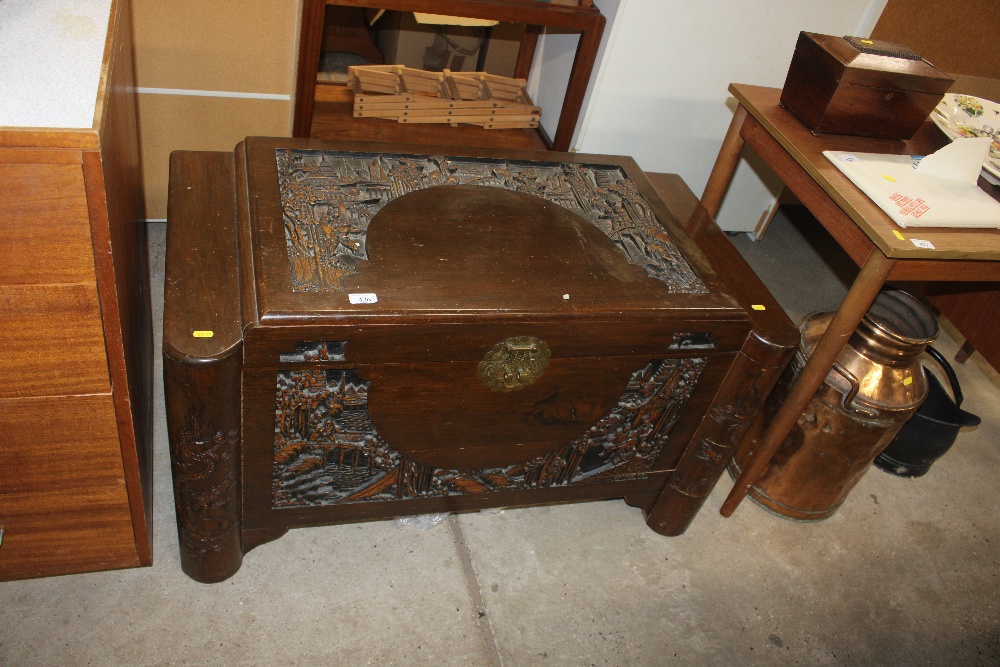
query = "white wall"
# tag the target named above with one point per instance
(659, 93)
(553, 62)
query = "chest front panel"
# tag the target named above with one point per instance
(332, 435)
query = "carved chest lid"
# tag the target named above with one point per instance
(348, 231)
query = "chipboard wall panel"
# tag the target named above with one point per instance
(209, 73)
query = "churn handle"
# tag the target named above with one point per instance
(848, 398)
(956, 389)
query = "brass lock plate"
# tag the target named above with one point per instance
(514, 363)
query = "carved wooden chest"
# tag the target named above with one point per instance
(353, 332)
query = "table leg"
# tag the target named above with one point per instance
(310, 44)
(583, 65)
(526, 52)
(725, 164)
(964, 352)
(859, 298)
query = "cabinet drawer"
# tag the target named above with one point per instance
(59, 444)
(63, 501)
(44, 225)
(53, 342)
(61, 532)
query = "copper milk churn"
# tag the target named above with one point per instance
(875, 386)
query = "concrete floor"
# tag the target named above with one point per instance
(906, 573)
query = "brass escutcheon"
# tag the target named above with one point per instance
(515, 363)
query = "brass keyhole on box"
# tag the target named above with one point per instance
(514, 363)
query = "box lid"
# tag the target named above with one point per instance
(361, 233)
(883, 64)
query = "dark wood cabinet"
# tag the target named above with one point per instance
(972, 308)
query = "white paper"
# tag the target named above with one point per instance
(959, 161)
(940, 192)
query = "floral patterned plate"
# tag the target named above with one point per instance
(967, 116)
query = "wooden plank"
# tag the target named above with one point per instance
(434, 103)
(60, 443)
(487, 112)
(53, 342)
(40, 156)
(50, 533)
(46, 137)
(373, 76)
(114, 190)
(491, 78)
(501, 86)
(417, 86)
(383, 99)
(44, 226)
(380, 87)
(453, 89)
(416, 120)
(374, 73)
(334, 119)
(66, 509)
(475, 98)
(507, 126)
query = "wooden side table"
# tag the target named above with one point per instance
(882, 250)
(588, 21)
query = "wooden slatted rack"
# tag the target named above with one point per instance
(409, 95)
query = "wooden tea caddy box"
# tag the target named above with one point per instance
(360, 331)
(861, 87)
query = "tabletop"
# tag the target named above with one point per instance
(51, 58)
(806, 149)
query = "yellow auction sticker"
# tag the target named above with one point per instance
(757, 306)
(907, 381)
(202, 334)
(898, 235)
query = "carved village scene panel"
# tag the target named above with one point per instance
(327, 451)
(329, 197)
